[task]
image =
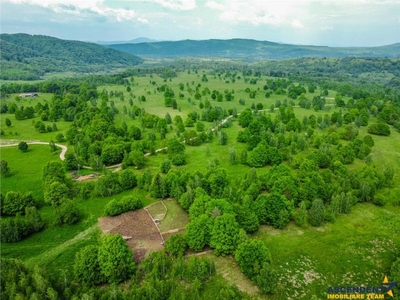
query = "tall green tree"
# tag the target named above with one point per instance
(87, 267)
(250, 256)
(115, 259)
(224, 234)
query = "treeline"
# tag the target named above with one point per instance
(160, 276)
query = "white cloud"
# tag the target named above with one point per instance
(143, 20)
(296, 24)
(214, 5)
(82, 8)
(177, 4)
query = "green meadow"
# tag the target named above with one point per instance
(358, 248)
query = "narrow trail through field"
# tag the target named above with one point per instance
(57, 250)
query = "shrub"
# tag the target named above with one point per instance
(16, 202)
(379, 129)
(176, 245)
(23, 146)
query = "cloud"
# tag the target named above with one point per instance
(296, 24)
(177, 4)
(214, 5)
(326, 28)
(82, 8)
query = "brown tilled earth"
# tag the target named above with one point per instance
(143, 235)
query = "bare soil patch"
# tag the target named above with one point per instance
(139, 230)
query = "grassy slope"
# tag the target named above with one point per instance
(358, 248)
(26, 169)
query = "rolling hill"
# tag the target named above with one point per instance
(29, 57)
(249, 49)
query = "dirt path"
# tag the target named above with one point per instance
(63, 148)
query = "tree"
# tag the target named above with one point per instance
(165, 166)
(267, 279)
(5, 169)
(16, 202)
(224, 234)
(86, 266)
(176, 151)
(379, 129)
(250, 256)
(71, 161)
(67, 212)
(157, 188)
(223, 138)
(127, 179)
(53, 171)
(55, 193)
(273, 209)
(198, 232)
(176, 245)
(245, 118)
(115, 259)
(247, 219)
(317, 212)
(301, 215)
(8, 122)
(23, 146)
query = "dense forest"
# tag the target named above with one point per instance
(29, 57)
(290, 143)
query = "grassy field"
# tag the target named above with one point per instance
(357, 249)
(26, 169)
(175, 218)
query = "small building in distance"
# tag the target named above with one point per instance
(29, 95)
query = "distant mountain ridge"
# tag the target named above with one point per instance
(134, 41)
(249, 49)
(28, 57)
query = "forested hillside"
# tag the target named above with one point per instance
(28, 57)
(249, 49)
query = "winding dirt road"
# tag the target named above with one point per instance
(63, 148)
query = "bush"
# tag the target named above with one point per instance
(250, 256)
(16, 202)
(16, 228)
(176, 245)
(5, 169)
(379, 129)
(379, 200)
(23, 146)
(67, 213)
(127, 203)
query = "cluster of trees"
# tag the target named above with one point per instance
(20, 217)
(127, 203)
(57, 193)
(162, 275)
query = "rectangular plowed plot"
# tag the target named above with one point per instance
(137, 228)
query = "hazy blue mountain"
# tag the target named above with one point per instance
(250, 49)
(28, 57)
(134, 41)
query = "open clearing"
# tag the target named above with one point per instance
(143, 234)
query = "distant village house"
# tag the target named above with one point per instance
(31, 95)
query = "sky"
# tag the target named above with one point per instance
(306, 22)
